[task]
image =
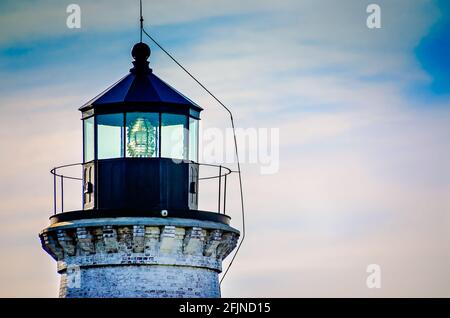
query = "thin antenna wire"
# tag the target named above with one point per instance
(142, 18)
(235, 145)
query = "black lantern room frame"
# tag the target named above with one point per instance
(138, 178)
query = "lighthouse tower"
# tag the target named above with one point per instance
(139, 231)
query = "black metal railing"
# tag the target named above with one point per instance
(222, 174)
(59, 176)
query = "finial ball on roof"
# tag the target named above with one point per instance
(140, 51)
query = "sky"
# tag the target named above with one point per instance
(363, 118)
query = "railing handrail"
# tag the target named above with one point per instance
(227, 170)
(53, 171)
(220, 167)
(223, 173)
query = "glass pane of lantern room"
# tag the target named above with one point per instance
(142, 133)
(110, 136)
(193, 139)
(174, 136)
(88, 136)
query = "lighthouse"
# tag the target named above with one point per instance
(139, 231)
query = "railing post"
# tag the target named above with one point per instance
(62, 194)
(224, 194)
(220, 186)
(54, 192)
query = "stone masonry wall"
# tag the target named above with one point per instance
(139, 257)
(140, 281)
